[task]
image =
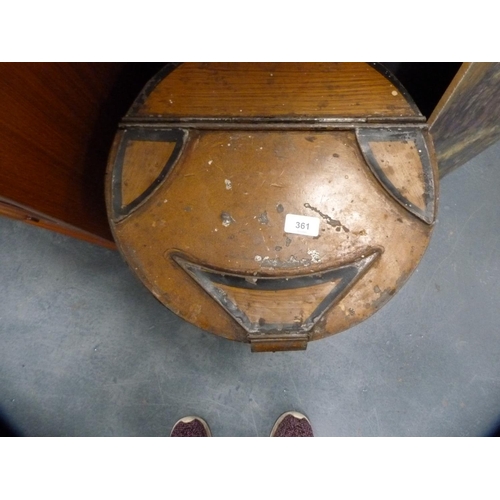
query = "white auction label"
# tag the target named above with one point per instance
(302, 224)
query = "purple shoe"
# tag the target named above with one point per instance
(292, 424)
(191, 427)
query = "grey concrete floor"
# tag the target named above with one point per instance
(86, 350)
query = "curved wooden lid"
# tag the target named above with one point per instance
(274, 91)
(273, 204)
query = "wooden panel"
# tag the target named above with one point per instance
(38, 220)
(57, 126)
(46, 159)
(242, 90)
(465, 122)
(272, 345)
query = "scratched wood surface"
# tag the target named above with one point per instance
(279, 306)
(224, 206)
(394, 159)
(466, 122)
(208, 235)
(277, 90)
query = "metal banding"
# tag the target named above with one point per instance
(365, 136)
(178, 136)
(209, 278)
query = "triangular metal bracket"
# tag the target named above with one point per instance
(365, 136)
(342, 278)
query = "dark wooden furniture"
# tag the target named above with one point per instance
(467, 118)
(57, 123)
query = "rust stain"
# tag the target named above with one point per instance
(331, 222)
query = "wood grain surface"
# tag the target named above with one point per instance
(273, 90)
(57, 125)
(466, 120)
(40, 220)
(46, 160)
